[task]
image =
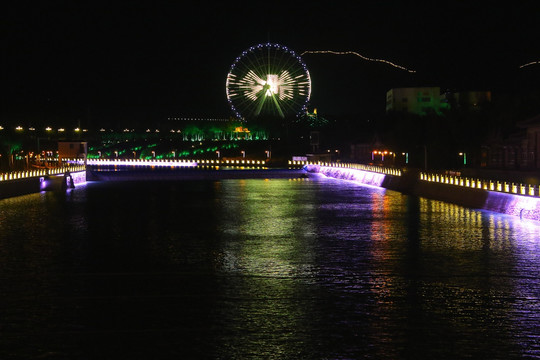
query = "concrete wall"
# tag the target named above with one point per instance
(18, 187)
(526, 207)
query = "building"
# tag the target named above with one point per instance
(416, 100)
(520, 150)
(72, 150)
(469, 100)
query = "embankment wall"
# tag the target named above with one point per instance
(527, 207)
(35, 184)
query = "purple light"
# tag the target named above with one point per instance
(360, 176)
(167, 163)
(517, 205)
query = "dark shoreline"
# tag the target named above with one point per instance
(191, 174)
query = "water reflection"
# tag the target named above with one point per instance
(260, 268)
(267, 246)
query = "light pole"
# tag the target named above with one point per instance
(425, 158)
(464, 157)
(406, 157)
(268, 154)
(218, 154)
(243, 153)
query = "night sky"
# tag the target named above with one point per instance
(104, 64)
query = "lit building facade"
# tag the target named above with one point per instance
(416, 100)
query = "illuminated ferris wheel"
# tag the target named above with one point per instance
(268, 79)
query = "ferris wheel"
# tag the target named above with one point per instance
(268, 79)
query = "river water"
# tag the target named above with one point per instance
(276, 268)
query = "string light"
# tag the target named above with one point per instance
(359, 55)
(530, 63)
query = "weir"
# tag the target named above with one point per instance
(521, 200)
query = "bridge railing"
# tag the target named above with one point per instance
(14, 175)
(476, 183)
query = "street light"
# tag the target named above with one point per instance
(268, 154)
(218, 153)
(406, 157)
(243, 153)
(464, 157)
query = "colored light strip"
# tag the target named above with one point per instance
(165, 163)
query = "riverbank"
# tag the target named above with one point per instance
(34, 184)
(464, 193)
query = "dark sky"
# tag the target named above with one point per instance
(107, 62)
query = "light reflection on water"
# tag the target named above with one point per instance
(255, 268)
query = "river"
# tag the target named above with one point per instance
(265, 268)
